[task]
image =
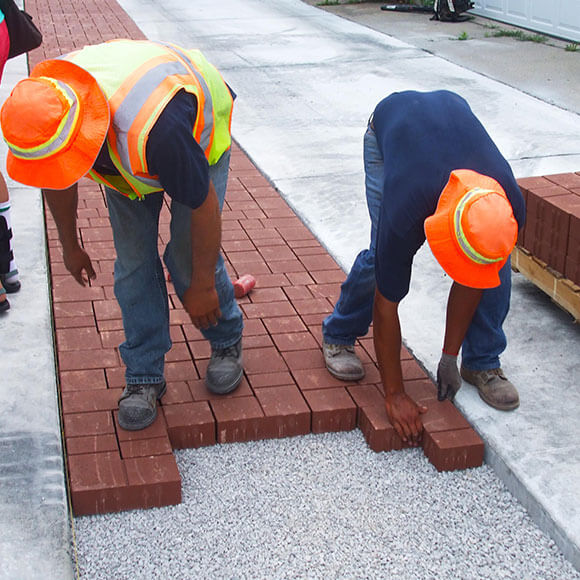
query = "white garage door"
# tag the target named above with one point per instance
(556, 17)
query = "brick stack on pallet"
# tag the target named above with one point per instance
(548, 250)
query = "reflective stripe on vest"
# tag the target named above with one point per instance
(151, 74)
(460, 236)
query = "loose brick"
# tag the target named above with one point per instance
(304, 359)
(277, 254)
(443, 416)
(98, 483)
(260, 341)
(288, 410)
(180, 371)
(312, 379)
(154, 481)
(200, 392)
(258, 295)
(91, 444)
(366, 395)
(263, 360)
(89, 401)
(264, 380)
(145, 447)
(298, 293)
(84, 338)
(451, 450)
(239, 419)
(176, 393)
(82, 424)
(299, 278)
(287, 266)
(157, 429)
(90, 379)
(332, 410)
(284, 324)
(412, 370)
(312, 306)
(268, 310)
(87, 359)
(190, 425)
(421, 391)
(294, 341)
(377, 430)
(319, 262)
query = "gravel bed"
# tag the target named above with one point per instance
(322, 507)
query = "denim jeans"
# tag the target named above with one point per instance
(140, 286)
(353, 313)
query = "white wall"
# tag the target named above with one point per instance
(556, 17)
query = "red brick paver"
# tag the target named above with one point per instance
(286, 390)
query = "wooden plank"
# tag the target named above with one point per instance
(562, 291)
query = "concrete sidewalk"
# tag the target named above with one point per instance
(307, 81)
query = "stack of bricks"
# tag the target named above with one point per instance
(549, 244)
(552, 230)
(286, 390)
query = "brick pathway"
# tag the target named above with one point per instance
(286, 390)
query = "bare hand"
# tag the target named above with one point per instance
(404, 415)
(202, 305)
(79, 264)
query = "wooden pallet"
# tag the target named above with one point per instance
(561, 290)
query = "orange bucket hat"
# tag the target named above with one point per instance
(473, 229)
(54, 123)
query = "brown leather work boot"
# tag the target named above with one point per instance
(342, 362)
(493, 387)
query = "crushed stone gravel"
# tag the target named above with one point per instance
(322, 507)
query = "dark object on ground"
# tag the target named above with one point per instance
(406, 8)
(450, 10)
(11, 287)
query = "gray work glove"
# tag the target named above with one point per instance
(448, 378)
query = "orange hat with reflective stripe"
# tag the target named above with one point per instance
(54, 123)
(473, 229)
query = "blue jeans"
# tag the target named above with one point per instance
(353, 313)
(140, 286)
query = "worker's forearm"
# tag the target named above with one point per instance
(387, 341)
(205, 240)
(63, 206)
(461, 307)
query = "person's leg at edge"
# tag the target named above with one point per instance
(9, 277)
(353, 312)
(8, 271)
(142, 296)
(225, 369)
(485, 341)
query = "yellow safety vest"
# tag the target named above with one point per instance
(139, 78)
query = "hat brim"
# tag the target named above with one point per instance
(441, 237)
(62, 170)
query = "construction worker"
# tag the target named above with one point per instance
(431, 172)
(141, 118)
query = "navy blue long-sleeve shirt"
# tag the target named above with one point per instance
(422, 138)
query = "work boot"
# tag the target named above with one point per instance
(493, 387)
(138, 405)
(342, 362)
(225, 369)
